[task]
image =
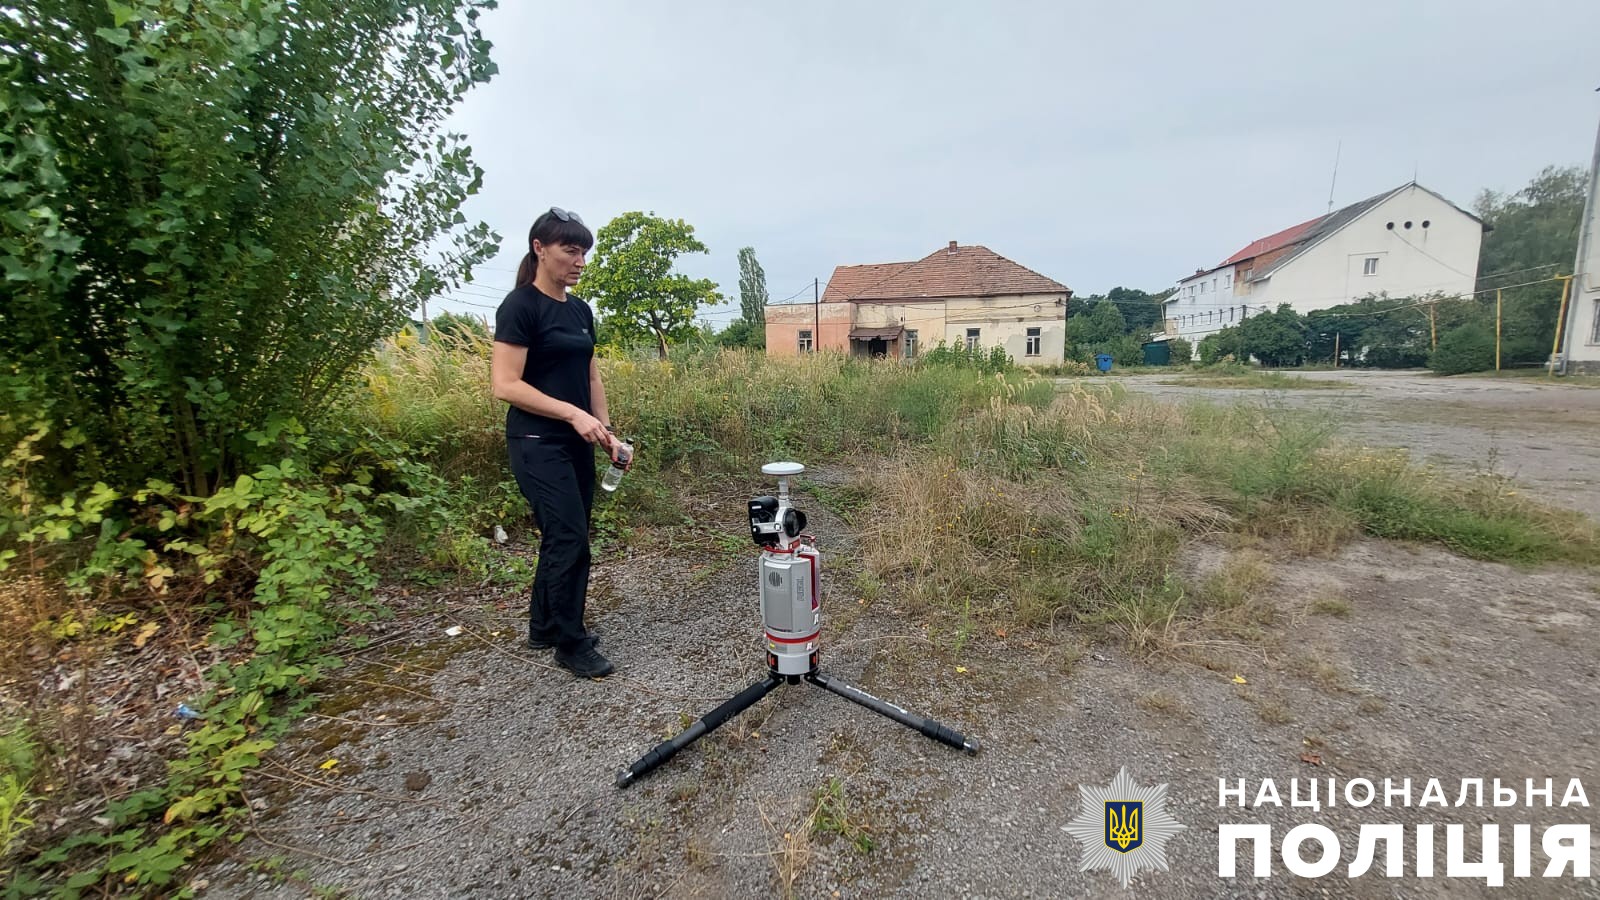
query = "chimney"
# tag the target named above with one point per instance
(952, 249)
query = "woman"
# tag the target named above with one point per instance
(544, 366)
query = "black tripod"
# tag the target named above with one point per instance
(789, 575)
(748, 697)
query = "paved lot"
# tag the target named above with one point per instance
(1546, 434)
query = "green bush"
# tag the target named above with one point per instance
(205, 231)
(994, 360)
(1182, 352)
(1469, 348)
(1224, 345)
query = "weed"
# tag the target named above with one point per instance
(17, 802)
(1331, 606)
(1274, 712)
(833, 814)
(1164, 702)
(1315, 667)
(685, 790)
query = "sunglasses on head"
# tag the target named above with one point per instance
(565, 216)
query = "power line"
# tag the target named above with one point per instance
(790, 297)
(467, 303)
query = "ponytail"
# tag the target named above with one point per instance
(530, 264)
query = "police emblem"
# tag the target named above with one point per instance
(1123, 827)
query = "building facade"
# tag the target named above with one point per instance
(961, 296)
(1407, 242)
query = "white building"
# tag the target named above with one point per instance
(1402, 243)
(1582, 343)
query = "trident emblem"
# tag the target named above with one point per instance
(1122, 825)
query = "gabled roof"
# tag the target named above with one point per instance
(1321, 228)
(848, 281)
(1302, 237)
(953, 271)
(1271, 242)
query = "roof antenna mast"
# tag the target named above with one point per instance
(1335, 180)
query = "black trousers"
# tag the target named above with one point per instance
(557, 478)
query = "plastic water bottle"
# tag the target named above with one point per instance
(613, 476)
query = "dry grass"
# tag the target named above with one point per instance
(1275, 381)
(418, 393)
(1337, 607)
(1163, 702)
(792, 849)
(1274, 712)
(1317, 668)
(1371, 706)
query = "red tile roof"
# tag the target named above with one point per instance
(848, 281)
(953, 271)
(1272, 242)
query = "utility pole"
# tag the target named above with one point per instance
(1497, 309)
(816, 315)
(1591, 210)
(1433, 322)
(422, 332)
(1561, 318)
(1336, 349)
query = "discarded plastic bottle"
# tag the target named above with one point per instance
(613, 476)
(184, 712)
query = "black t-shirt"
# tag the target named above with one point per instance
(560, 340)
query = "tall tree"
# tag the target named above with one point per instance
(1140, 310)
(631, 279)
(210, 212)
(753, 296)
(1101, 324)
(1534, 236)
(1276, 338)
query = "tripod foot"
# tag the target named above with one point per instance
(707, 724)
(928, 727)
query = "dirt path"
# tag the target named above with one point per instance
(483, 772)
(1545, 434)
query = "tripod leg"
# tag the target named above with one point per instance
(708, 723)
(929, 728)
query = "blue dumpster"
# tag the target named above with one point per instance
(1102, 361)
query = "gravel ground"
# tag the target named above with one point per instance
(1544, 433)
(471, 767)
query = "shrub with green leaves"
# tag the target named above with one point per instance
(1469, 348)
(210, 212)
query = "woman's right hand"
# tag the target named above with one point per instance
(589, 428)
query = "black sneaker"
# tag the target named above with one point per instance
(584, 662)
(543, 644)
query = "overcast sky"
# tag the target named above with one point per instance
(1101, 144)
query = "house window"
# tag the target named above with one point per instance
(1370, 267)
(1033, 342)
(911, 343)
(972, 338)
(805, 340)
(1227, 282)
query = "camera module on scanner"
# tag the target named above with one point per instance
(770, 521)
